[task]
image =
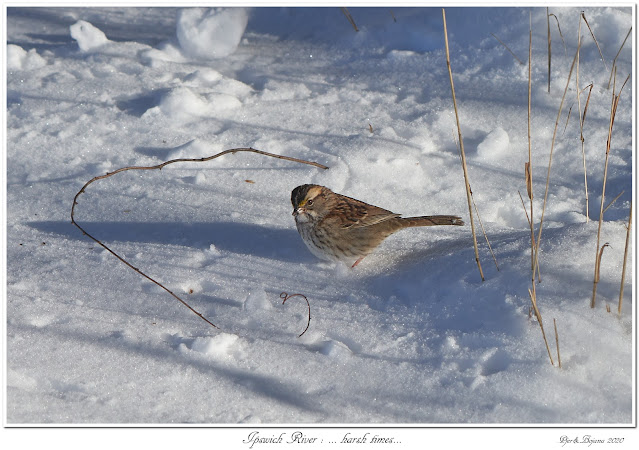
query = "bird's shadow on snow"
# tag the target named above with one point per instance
(241, 238)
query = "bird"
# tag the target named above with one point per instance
(335, 227)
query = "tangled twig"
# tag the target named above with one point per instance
(285, 297)
(159, 167)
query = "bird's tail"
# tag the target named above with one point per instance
(429, 221)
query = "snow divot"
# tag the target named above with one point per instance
(493, 362)
(331, 348)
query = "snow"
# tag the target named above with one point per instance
(411, 335)
(88, 37)
(208, 33)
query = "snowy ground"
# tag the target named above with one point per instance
(412, 335)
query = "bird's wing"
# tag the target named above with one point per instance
(351, 213)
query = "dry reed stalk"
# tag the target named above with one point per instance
(614, 61)
(557, 341)
(511, 52)
(160, 167)
(587, 101)
(461, 147)
(533, 299)
(552, 147)
(567, 119)
(625, 259)
(532, 244)
(561, 35)
(529, 188)
(582, 118)
(597, 273)
(613, 112)
(528, 165)
(549, 47)
(595, 39)
(612, 201)
(483, 230)
(349, 17)
(481, 224)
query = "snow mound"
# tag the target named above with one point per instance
(183, 105)
(88, 37)
(495, 145)
(257, 300)
(195, 148)
(210, 33)
(218, 347)
(19, 59)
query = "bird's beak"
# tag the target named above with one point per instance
(295, 212)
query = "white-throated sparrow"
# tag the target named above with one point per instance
(339, 228)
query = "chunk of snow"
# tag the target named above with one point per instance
(19, 59)
(218, 346)
(88, 37)
(494, 145)
(210, 33)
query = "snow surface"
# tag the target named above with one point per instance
(412, 335)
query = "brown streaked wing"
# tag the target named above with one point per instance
(349, 212)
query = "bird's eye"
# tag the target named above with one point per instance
(310, 202)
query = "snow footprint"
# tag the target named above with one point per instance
(493, 361)
(332, 348)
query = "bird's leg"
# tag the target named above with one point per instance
(357, 262)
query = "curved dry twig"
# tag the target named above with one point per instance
(285, 297)
(159, 167)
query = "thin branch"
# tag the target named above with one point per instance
(286, 296)
(159, 167)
